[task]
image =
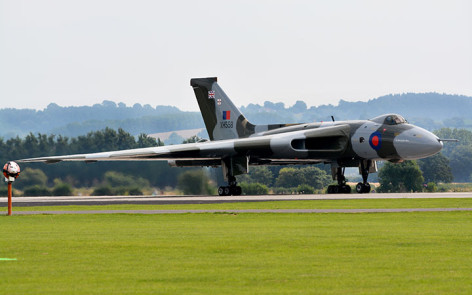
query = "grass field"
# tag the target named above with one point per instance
(394, 253)
(309, 204)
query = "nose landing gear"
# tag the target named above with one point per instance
(364, 187)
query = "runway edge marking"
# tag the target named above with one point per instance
(399, 210)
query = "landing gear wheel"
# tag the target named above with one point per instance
(339, 189)
(230, 191)
(360, 188)
(227, 190)
(346, 189)
(363, 188)
(221, 191)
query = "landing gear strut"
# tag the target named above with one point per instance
(231, 167)
(232, 189)
(341, 187)
(364, 187)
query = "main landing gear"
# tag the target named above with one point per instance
(341, 187)
(232, 190)
(365, 167)
(364, 187)
(231, 167)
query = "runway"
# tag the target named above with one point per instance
(162, 200)
(236, 211)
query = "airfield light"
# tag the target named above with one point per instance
(11, 171)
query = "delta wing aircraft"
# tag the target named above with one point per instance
(235, 143)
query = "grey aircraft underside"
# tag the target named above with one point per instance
(235, 143)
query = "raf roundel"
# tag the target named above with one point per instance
(375, 140)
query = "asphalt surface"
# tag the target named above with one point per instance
(230, 211)
(161, 200)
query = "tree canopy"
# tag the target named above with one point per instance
(293, 177)
(83, 174)
(401, 177)
(195, 182)
(436, 169)
(458, 153)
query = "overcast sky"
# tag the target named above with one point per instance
(83, 52)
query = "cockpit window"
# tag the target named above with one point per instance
(391, 119)
(399, 119)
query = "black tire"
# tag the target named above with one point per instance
(221, 191)
(227, 191)
(346, 189)
(360, 188)
(367, 188)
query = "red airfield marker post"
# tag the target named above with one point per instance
(9, 198)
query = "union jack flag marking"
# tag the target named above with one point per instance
(211, 94)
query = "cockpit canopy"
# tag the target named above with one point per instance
(389, 119)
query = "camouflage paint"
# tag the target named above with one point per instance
(236, 140)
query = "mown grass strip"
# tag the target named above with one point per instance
(296, 204)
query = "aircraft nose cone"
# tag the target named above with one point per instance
(433, 147)
(417, 143)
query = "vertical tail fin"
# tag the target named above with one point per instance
(222, 118)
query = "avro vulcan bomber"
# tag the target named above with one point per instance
(235, 144)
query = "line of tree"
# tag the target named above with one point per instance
(81, 174)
